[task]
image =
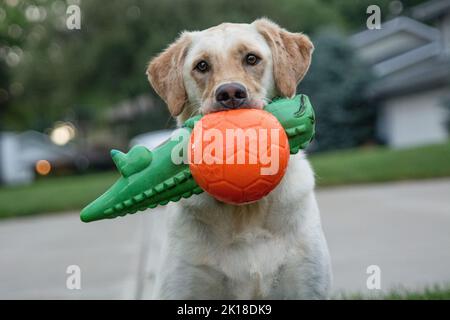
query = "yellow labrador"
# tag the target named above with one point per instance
(274, 248)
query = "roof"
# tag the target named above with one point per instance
(431, 10)
(405, 55)
(431, 74)
(395, 25)
(407, 59)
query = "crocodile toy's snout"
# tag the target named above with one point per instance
(148, 178)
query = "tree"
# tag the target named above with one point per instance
(337, 82)
(104, 62)
(446, 104)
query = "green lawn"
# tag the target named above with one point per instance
(55, 194)
(436, 292)
(381, 164)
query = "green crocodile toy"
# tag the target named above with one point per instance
(151, 178)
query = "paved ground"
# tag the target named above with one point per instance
(404, 228)
(35, 254)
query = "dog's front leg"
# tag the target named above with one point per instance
(181, 280)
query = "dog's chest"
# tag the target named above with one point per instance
(252, 262)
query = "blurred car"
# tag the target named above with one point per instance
(151, 139)
(25, 154)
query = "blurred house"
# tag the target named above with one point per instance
(20, 154)
(129, 110)
(134, 116)
(142, 118)
(411, 59)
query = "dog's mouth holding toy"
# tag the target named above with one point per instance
(252, 103)
(232, 96)
(171, 172)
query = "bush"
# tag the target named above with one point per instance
(337, 82)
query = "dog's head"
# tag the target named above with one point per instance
(230, 66)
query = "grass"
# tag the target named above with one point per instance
(56, 194)
(381, 164)
(436, 292)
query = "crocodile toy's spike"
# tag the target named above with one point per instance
(118, 158)
(151, 178)
(134, 161)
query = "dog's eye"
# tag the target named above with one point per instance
(252, 59)
(202, 66)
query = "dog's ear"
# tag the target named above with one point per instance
(291, 53)
(165, 73)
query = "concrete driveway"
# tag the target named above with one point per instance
(404, 228)
(35, 253)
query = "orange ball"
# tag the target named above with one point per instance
(238, 156)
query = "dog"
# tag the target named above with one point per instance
(271, 249)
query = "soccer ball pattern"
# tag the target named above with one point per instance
(239, 183)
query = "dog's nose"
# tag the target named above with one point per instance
(231, 95)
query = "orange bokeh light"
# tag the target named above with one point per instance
(43, 167)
